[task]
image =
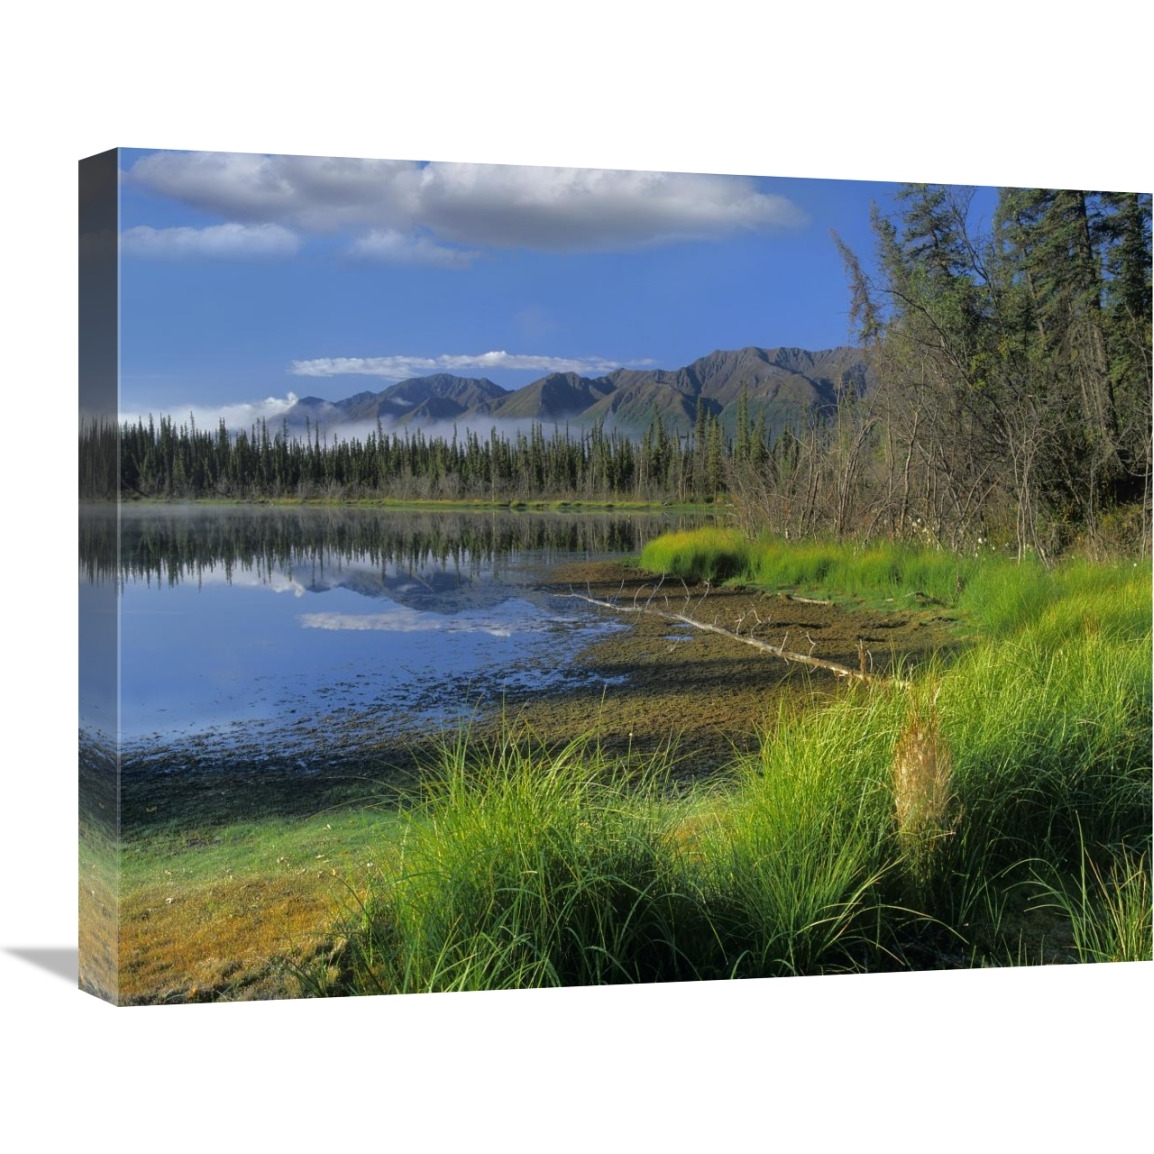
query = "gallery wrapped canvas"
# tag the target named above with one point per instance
(501, 577)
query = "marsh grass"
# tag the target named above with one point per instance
(1051, 737)
(1045, 717)
(524, 866)
(999, 593)
(872, 573)
(709, 554)
(1108, 906)
(1074, 599)
(791, 862)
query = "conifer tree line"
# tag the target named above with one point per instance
(99, 459)
(161, 459)
(1010, 403)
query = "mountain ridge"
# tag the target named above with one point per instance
(781, 384)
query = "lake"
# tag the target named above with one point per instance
(278, 630)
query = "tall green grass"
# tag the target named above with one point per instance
(891, 827)
(1108, 907)
(874, 572)
(708, 554)
(1077, 598)
(526, 867)
(791, 858)
(1047, 738)
(1001, 593)
(523, 867)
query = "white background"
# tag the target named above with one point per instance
(1045, 1059)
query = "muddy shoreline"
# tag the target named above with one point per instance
(714, 695)
(636, 689)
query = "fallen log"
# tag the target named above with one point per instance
(804, 600)
(776, 650)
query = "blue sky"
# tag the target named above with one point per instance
(247, 279)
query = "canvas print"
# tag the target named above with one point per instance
(499, 576)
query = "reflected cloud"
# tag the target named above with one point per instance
(249, 578)
(511, 617)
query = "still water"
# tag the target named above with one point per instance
(283, 622)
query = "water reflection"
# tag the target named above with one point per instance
(278, 628)
(174, 543)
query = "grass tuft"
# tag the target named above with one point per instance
(524, 866)
(710, 554)
(1109, 908)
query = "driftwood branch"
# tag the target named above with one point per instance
(776, 650)
(805, 600)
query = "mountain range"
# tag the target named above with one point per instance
(781, 385)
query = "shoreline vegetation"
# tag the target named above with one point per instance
(994, 812)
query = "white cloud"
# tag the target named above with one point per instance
(400, 368)
(219, 240)
(568, 209)
(314, 192)
(395, 247)
(238, 416)
(555, 209)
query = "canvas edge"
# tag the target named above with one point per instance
(98, 610)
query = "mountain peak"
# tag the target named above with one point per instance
(781, 385)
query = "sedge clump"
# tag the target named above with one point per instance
(924, 801)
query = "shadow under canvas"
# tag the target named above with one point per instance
(63, 961)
